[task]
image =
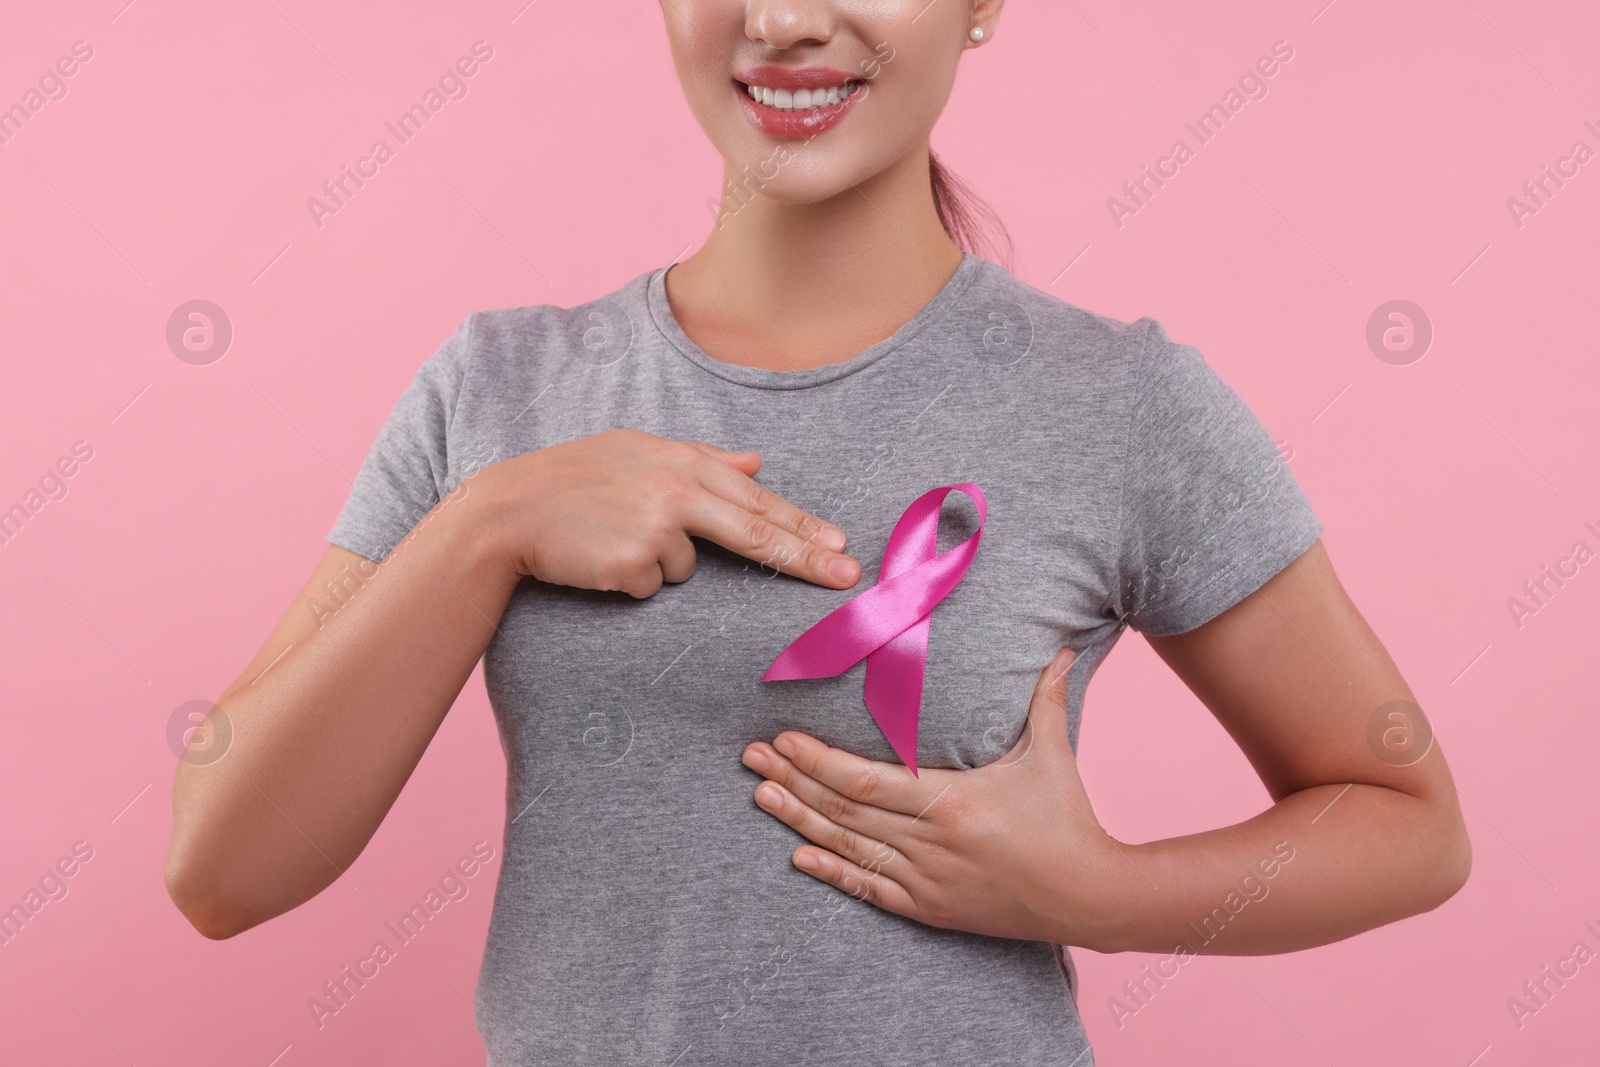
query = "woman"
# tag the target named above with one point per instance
(532, 497)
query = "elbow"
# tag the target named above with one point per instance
(1460, 865)
(1453, 863)
(193, 891)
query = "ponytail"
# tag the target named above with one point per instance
(971, 223)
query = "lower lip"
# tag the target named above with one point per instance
(793, 125)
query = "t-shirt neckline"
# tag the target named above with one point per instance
(765, 378)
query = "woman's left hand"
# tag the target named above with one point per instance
(1009, 849)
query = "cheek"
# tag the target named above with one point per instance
(703, 36)
(911, 71)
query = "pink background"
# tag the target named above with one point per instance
(1377, 168)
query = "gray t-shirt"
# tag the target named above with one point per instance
(647, 911)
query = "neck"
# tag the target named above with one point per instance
(812, 283)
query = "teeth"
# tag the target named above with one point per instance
(801, 99)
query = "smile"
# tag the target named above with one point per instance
(792, 103)
(802, 99)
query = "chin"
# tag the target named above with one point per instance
(811, 188)
(794, 172)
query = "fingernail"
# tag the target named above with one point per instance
(805, 861)
(786, 746)
(1061, 658)
(756, 760)
(769, 797)
(831, 538)
(844, 569)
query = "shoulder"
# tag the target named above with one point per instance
(507, 339)
(1064, 335)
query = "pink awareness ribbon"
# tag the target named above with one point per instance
(889, 623)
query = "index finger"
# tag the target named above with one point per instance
(746, 517)
(890, 786)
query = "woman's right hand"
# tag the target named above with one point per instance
(615, 511)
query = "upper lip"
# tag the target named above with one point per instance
(792, 78)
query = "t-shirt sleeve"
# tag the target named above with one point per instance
(407, 470)
(1210, 510)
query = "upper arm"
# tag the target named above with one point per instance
(1303, 685)
(404, 474)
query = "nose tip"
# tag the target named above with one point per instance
(785, 24)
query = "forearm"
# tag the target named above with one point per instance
(324, 740)
(1320, 865)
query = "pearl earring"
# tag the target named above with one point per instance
(976, 33)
